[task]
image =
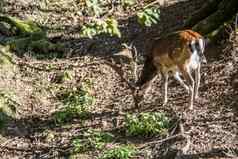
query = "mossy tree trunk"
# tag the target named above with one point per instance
(209, 20)
(26, 35)
(207, 9)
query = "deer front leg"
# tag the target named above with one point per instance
(166, 77)
(188, 77)
(197, 80)
(178, 78)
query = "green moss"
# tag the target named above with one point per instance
(5, 56)
(46, 46)
(7, 107)
(23, 27)
(29, 37)
(19, 44)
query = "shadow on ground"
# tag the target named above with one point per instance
(30, 129)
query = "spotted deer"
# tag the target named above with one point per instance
(178, 54)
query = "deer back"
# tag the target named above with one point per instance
(178, 49)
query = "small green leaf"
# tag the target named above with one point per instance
(109, 26)
(122, 152)
(127, 3)
(94, 6)
(148, 16)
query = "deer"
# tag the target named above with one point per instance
(178, 54)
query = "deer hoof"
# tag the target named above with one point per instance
(187, 89)
(165, 103)
(196, 97)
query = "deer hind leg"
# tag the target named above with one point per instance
(188, 77)
(149, 85)
(197, 80)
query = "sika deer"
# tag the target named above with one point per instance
(178, 53)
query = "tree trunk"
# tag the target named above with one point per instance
(26, 35)
(208, 8)
(226, 10)
(211, 19)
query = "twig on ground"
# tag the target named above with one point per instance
(175, 127)
(180, 135)
(15, 149)
(41, 68)
(34, 148)
(187, 137)
(152, 3)
(135, 63)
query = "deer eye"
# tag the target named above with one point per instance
(190, 47)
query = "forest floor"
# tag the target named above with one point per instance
(32, 85)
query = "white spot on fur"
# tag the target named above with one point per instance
(201, 44)
(194, 60)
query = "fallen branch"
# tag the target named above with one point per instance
(180, 135)
(152, 3)
(7, 148)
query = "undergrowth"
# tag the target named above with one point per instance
(7, 107)
(103, 143)
(91, 140)
(121, 152)
(146, 124)
(101, 23)
(76, 102)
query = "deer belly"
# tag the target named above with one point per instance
(165, 64)
(194, 60)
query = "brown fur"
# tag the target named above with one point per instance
(169, 54)
(173, 50)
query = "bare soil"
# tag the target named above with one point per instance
(212, 127)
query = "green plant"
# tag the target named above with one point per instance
(121, 152)
(3, 118)
(94, 6)
(7, 107)
(127, 3)
(76, 102)
(80, 145)
(92, 139)
(67, 76)
(78, 98)
(112, 27)
(108, 26)
(98, 139)
(146, 124)
(148, 16)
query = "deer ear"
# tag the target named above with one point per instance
(207, 41)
